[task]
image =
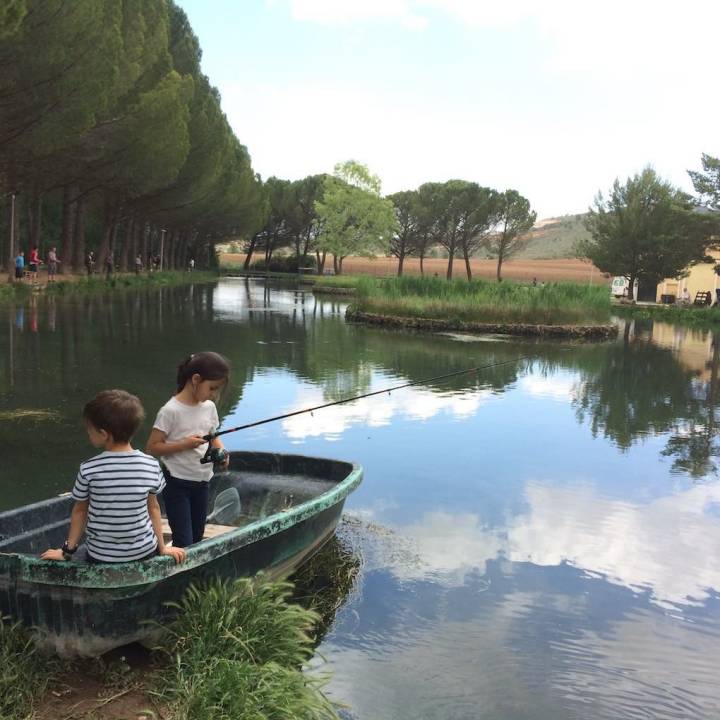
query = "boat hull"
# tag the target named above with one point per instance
(79, 609)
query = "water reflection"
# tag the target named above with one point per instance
(541, 540)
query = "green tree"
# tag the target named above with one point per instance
(646, 229)
(707, 182)
(355, 219)
(514, 218)
(404, 240)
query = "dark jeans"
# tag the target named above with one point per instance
(186, 503)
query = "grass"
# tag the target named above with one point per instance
(236, 652)
(97, 283)
(483, 301)
(24, 672)
(19, 291)
(690, 316)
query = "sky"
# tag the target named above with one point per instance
(554, 98)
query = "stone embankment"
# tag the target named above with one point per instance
(332, 290)
(579, 332)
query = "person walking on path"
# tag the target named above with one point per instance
(53, 261)
(138, 264)
(90, 263)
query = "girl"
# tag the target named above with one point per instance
(34, 263)
(177, 437)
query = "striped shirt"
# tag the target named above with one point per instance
(117, 485)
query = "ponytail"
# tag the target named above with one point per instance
(208, 365)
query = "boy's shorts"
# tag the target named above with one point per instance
(18, 273)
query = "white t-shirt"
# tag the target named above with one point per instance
(178, 421)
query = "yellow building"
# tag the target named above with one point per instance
(701, 278)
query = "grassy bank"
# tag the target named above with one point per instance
(482, 301)
(690, 316)
(24, 673)
(97, 283)
(235, 651)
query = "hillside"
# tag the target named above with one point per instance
(554, 238)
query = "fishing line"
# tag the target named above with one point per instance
(467, 371)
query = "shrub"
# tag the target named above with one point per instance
(284, 263)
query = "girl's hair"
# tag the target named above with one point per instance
(208, 365)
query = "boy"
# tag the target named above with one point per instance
(116, 491)
(20, 265)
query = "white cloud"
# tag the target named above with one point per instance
(669, 547)
(331, 12)
(413, 403)
(632, 80)
(555, 388)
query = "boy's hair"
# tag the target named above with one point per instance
(117, 412)
(208, 365)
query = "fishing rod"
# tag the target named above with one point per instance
(218, 454)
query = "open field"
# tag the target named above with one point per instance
(561, 270)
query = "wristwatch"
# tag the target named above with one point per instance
(67, 551)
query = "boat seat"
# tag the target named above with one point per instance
(211, 530)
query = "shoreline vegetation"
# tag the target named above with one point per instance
(98, 283)
(233, 651)
(554, 310)
(346, 286)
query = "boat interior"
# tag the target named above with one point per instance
(252, 490)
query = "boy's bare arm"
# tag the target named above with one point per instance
(178, 554)
(158, 444)
(78, 521)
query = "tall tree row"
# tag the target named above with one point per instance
(113, 122)
(344, 214)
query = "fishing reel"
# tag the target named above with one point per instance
(214, 455)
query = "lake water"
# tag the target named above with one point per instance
(537, 541)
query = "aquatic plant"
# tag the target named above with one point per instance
(24, 672)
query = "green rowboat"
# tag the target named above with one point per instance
(269, 513)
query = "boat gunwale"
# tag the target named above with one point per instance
(105, 576)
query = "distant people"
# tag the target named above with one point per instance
(156, 263)
(34, 262)
(191, 265)
(534, 282)
(138, 264)
(90, 263)
(685, 297)
(20, 266)
(52, 263)
(109, 265)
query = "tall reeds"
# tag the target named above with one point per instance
(483, 301)
(24, 672)
(236, 652)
